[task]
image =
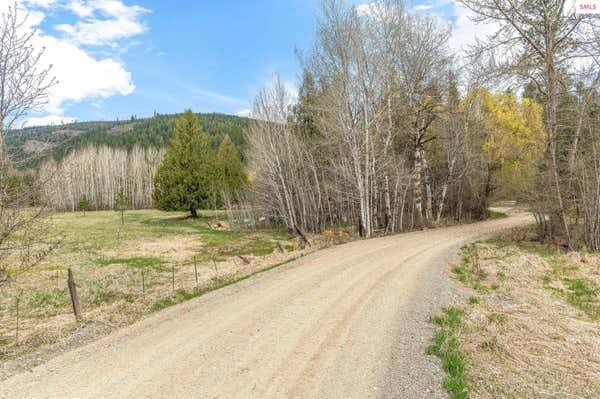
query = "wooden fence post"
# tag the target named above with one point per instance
(173, 276)
(17, 332)
(74, 296)
(196, 272)
(281, 249)
(215, 266)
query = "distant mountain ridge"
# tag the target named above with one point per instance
(29, 147)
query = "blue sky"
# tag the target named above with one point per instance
(117, 58)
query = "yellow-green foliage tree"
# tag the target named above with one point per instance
(512, 139)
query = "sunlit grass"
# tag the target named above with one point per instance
(87, 238)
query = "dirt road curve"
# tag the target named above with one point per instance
(346, 322)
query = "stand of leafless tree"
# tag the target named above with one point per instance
(377, 138)
(382, 138)
(99, 174)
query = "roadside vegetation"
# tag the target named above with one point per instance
(530, 323)
(447, 347)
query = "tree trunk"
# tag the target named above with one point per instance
(445, 191)
(427, 182)
(194, 212)
(418, 194)
(388, 205)
(556, 205)
(1, 146)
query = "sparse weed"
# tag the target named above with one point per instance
(497, 215)
(579, 292)
(582, 295)
(473, 300)
(447, 347)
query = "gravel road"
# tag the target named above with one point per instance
(345, 322)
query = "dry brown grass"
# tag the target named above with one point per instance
(111, 297)
(177, 248)
(524, 339)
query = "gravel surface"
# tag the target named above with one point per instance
(345, 322)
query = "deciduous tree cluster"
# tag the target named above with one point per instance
(556, 51)
(380, 136)
(97, 175)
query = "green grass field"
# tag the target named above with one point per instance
(87, 239)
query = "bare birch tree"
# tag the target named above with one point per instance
(100, 174)
(385, 142)
(24, 231)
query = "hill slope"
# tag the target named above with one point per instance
(30, 146)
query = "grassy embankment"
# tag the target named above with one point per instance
(530, 326)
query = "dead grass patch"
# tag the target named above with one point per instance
(174, 248)
(526, 338)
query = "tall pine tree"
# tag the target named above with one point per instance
(231, 177)
(185, 179)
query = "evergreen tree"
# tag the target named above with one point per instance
(184, 181)
(532, 92)
(304, 111)
(84, 204)
(231, 177)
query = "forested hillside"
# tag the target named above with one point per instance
(30, 146)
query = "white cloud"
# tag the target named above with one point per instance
(431, 5)
(466, 31)
(215, 97)
(292, 89)
(56, 120)
(244, 113)
(80, 9)
(39, 3)
(82, 76)
(103, 22)
(366, 8)
(423, 7)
